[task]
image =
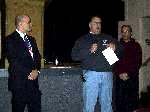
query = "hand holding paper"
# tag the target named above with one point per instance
(110, 55)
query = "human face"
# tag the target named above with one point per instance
(126, 34)
(95, 25)
(26, 24)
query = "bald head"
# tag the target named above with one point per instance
(23, 23)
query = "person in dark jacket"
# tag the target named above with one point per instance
(97, 71)
(24, 65)
(127, 71)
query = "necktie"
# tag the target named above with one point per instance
(27, 43)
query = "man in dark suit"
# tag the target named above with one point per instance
(24, 65)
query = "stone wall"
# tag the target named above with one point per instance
(61, 90)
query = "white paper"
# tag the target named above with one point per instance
(110, 55)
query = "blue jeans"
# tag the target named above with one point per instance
(97, 85)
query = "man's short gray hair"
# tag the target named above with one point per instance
(18, 19)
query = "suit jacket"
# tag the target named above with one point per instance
(20, 62)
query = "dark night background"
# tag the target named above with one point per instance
(67, 20)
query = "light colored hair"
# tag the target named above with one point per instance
(18, 19)
(92, 17)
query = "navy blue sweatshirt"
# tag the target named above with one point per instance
(92, 61)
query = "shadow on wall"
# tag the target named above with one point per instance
(144, 101)
(145, 98)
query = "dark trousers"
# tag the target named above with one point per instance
(127, 94)
(26, 97)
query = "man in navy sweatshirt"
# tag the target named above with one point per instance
(97, 71)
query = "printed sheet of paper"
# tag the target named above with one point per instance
(110, 55)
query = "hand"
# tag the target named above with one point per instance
(112, 46)
(93, 48)
(124, 76)
(33, 75)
